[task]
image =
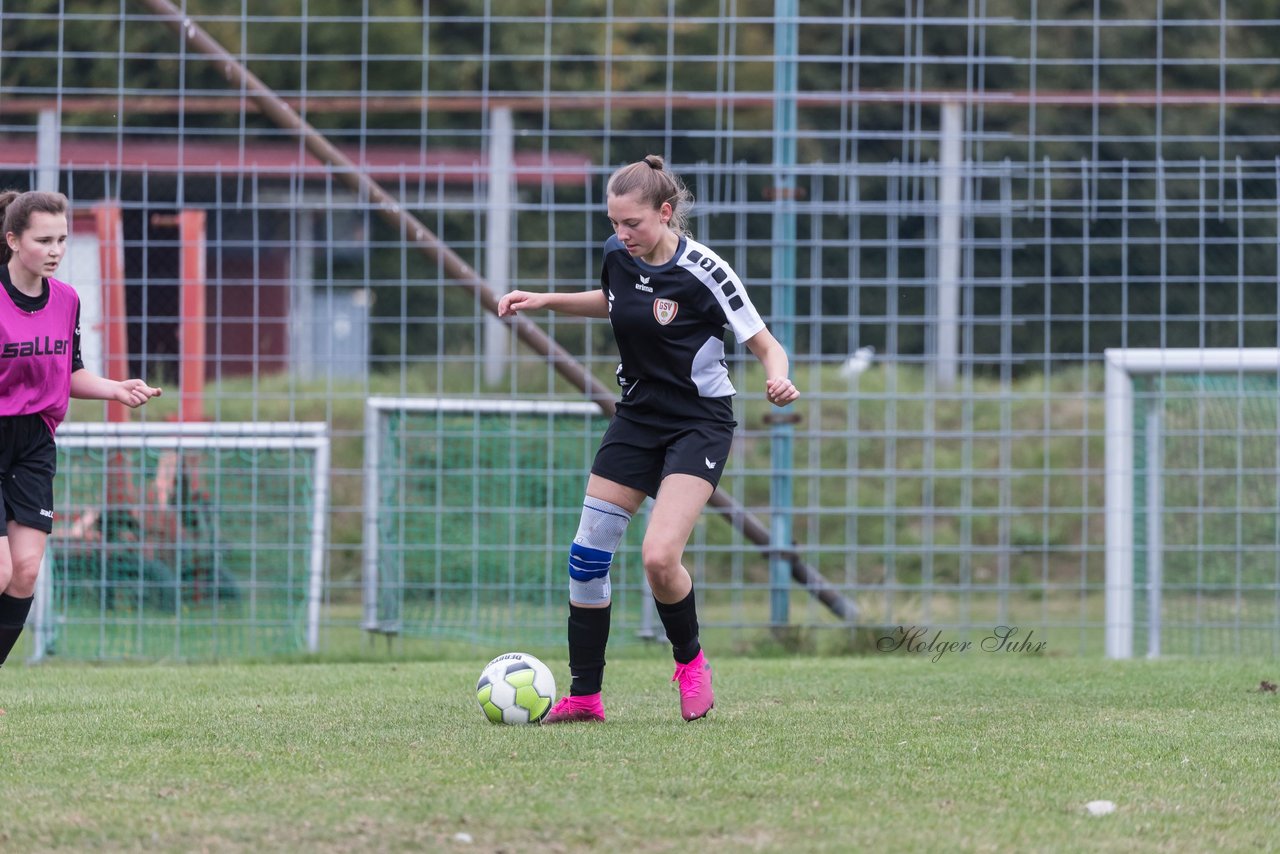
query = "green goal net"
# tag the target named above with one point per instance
(185, 541)
(1193, 502)
(1206, 513)
(470, 506)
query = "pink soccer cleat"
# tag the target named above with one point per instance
(572, 709)
(696, 696)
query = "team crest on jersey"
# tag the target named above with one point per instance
(664, 310)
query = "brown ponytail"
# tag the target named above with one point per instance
(649, 179)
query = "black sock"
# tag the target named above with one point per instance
(680, 619)
(588, 636)
(13, 616)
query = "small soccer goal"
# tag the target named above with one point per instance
(470, 506)
(185, 541)
(1192, 502)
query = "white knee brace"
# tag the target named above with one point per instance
(599, 533)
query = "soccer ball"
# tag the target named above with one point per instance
(515, 688)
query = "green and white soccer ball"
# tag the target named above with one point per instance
(516, 688)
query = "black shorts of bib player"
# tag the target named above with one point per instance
(28, 460)
(669, 300)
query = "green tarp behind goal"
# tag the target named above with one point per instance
(474, 507)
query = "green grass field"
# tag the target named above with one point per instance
(880, 752)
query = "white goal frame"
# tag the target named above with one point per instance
(1122, 365)
(376, 408)
(195, 436)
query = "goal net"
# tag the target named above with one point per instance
(1193, 502)
(185, 540)
(470, 506)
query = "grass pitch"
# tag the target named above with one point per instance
(800, 754)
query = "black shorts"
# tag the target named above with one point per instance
(640, 455)
(28, 460)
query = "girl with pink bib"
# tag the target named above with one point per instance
(40, 371)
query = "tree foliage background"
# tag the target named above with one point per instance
(462, 60)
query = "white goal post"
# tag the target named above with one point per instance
(171, 440)
(1123, 367)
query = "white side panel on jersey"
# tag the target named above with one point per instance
(709, 373)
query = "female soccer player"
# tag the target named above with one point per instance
(40, 370)
(668, 299)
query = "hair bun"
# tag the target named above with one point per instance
(654, 162)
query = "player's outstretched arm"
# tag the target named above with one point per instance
(132, 393)
(777, 387)
(580, 303)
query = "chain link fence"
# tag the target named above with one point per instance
(980, 198)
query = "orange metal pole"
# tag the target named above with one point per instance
(115, 323)
(111, 264)
(191, 368)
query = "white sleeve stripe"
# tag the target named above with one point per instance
(719, 278)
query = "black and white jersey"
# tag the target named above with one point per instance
(669, 321)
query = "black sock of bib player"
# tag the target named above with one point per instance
(680, 619)
(588, 636)
(13, 616)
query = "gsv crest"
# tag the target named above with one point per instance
(664, 310)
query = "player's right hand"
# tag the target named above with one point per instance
(517, 301)
(134, 393)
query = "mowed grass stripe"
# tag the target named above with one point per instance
(802, 754)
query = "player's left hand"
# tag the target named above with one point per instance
(780, 391)
(134, 393)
